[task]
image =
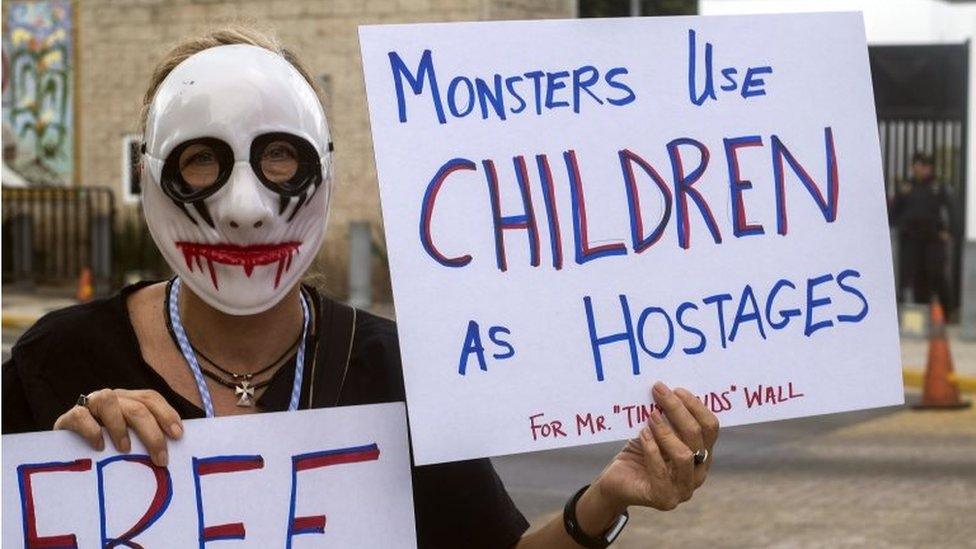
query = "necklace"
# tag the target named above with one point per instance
(242, 386)
(241, 383)
(249, 376)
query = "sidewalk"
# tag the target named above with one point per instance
(914, 353)
(21, 310)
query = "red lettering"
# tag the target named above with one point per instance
(27, 505)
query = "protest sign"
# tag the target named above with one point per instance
(576, 209)
(337, 477)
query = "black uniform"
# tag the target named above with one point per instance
(921, 213)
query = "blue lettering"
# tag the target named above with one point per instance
(581, 84)
(452, 96)
(640, 332)
(472, 344)
(852, 290)
(748, 297)
(552, 84)
(709, 89)
(510, 85)
(497, 340)
(727, 73)
(810, 326)
(630, 95)
(679, 316)
(784, 315)
(718, 299)
(536, 78)
(752, 85)
(495, 97)
(597, 341)
(425, 70)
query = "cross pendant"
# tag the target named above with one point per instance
(246, 394)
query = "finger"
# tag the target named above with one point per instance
(706, 419)
(80, 421)
(166, 415)
(104, 406)
(653, 459)
(684, 423)
(144, 423)
(677, 453)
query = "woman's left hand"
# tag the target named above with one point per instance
(658, 468)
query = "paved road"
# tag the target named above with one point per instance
(891, 477)
(541, 481)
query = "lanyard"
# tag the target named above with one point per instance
(191, 357)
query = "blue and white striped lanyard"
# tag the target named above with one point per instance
(191, 357)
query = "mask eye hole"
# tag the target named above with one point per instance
(279, 162)
(196, 169)
(285, 163)
(199, 166)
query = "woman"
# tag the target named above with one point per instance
(238, 171)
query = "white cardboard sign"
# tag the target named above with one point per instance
(337, 477)
(576, 209)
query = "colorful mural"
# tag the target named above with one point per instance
(38, 90)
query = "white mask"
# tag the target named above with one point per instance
(237, 176)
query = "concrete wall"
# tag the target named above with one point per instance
(119, 42)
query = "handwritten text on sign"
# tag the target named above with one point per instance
(272, 480)
(575, 209)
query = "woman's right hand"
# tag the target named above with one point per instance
(145, 412)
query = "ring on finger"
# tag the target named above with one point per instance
(700, 456)
(83, 400)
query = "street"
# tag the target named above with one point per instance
(882, 478)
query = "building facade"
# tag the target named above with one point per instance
(116, 44)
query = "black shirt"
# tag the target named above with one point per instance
(92, 346)
(921, 211)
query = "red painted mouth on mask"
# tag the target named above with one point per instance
(232, 254)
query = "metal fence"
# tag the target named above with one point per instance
(50, 234)
(943, 139)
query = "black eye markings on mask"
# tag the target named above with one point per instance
(201, 209)
(183, 209)
(183, 194)
(301, 200)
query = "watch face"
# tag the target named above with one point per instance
(617, 527)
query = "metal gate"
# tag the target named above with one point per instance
(943, 139)
(51, 233)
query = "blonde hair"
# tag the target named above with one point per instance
(221, 36)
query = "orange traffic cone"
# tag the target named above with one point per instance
(941, 389)
(85, 289)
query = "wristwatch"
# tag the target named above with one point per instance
(580, 537)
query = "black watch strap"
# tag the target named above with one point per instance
(573, 528)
